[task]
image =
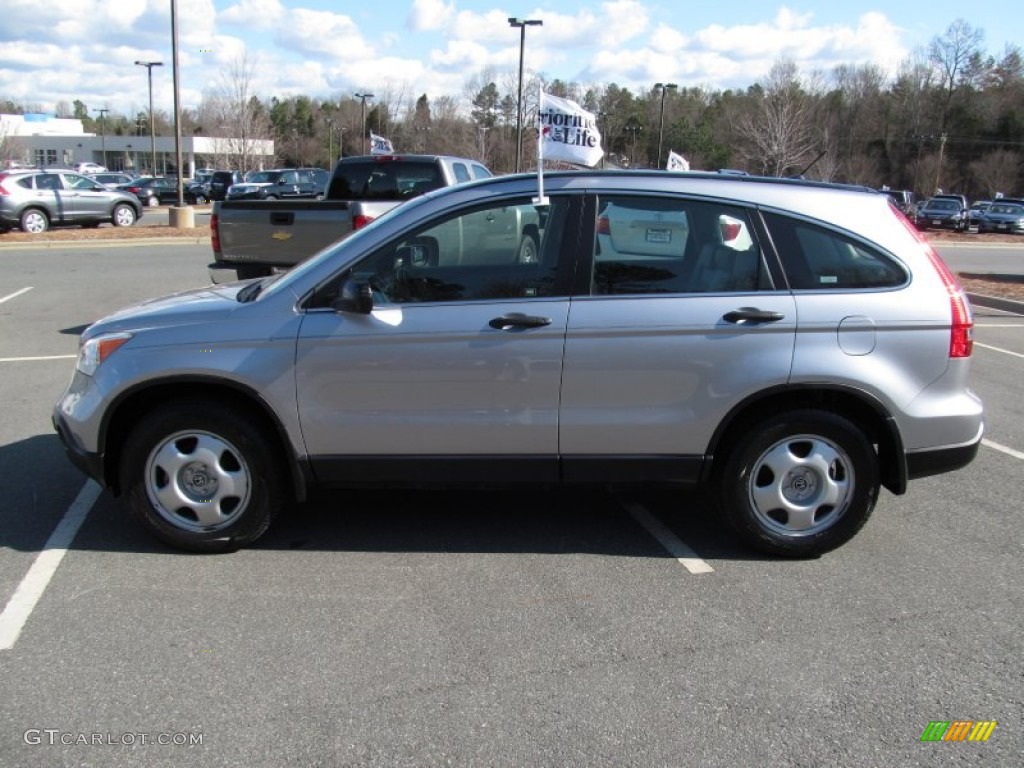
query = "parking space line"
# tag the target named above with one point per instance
(998, 349)
(31, 588)
(672, 543)
(1003, 448)
(15, 295)
(31, 359)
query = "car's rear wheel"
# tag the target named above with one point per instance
(800, 484)
(34, 221)
(123, 215)
(202, 476)
(528, 250)
(152, 201)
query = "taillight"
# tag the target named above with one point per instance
(3, 191)
(730, 230)
(214, 234)
(361, 220)
(604, 227)
(961, 336)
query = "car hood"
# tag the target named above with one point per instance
(200, 305)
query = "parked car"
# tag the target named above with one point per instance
(281, 184)
(975, 212)
(942, 213)
(37, 200)
(1003, 217)
(793, 372)
(87, 168)
(111, 179)
(156, 190)
(221, 182)
(903, 199)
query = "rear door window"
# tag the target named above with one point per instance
(816, 258)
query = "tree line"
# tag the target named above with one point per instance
(951, 118)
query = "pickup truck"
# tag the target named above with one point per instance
(254, 238)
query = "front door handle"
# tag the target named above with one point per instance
(751, 315)
(517, 320)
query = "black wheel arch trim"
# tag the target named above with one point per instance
(892, 459)
(298, 470)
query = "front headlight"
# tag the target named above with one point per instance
(97, 349)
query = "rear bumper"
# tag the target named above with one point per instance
(939, 460)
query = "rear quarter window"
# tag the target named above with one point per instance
(816, 258)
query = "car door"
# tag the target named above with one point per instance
(45, 193)
(680, 321)
(86, 198)
(456, 370)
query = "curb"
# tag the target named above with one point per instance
(994, 302)
(106, 243)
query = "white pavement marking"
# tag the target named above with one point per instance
(31, 589)
(675, 546)
(1004, 448)
(31, 359)
(15, 294)
(999, 349)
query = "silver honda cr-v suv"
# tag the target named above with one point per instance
(794, 346)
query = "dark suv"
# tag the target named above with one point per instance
(221, 182)
(281, 183)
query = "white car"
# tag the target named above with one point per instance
(89, 168)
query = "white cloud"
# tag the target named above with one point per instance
(325, 34)
(427, 15)
(256, 14)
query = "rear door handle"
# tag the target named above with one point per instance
(514, 320)
(751, 315)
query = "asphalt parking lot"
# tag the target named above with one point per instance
(483, 628)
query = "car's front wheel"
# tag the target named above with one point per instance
(800, 484)
(123, 215)
(34, 221)
(202, 476)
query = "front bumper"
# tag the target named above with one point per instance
(90, 463)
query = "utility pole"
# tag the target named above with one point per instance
(363, 97)
(152, 125)
(938, 167)
(522, 24)
(103, 133)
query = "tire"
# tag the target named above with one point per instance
(202, 476)
(123, 215)
(201, 200)
(152, 201)
(270, 197)
(34, 221)
(800, 484)
(529, 252)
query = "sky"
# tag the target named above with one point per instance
(330, 49)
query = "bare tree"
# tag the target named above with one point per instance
(952, 54)
(781, 128)
(236, 116)
(997, 171)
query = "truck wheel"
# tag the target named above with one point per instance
(528, 252)
(801, 483)
(202, 476)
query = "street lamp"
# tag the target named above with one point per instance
(103, 133)
(522, 24)
(362, 113)
(330, 142)
(152, 130)
(661, 125)
(633, 128)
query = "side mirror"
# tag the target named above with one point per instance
(356, 297)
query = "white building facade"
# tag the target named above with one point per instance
(43, 140)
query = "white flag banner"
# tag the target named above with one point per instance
(677, 162)
(567, 132)
(379, 145)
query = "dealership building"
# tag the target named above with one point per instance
(43, 140)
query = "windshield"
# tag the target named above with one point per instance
(341, 251)
(943, 205)
(263, 177)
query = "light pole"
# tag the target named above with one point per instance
(330, 142)
(152, 129)
(522, 24)
(363, 97)
(633, 128)
(661, 124)
(103, 133)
